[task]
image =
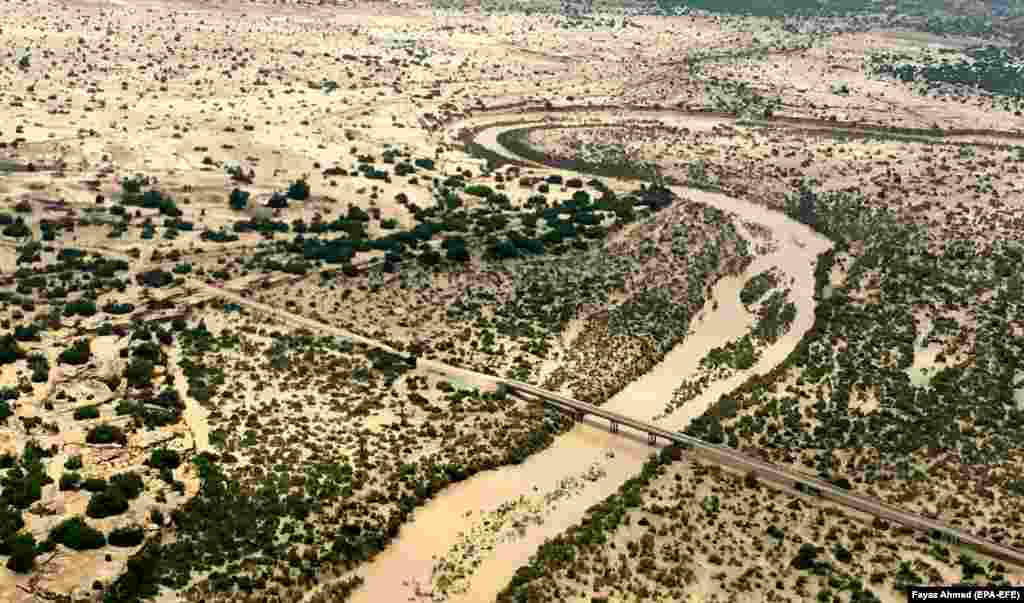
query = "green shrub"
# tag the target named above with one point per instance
(139, 372)
(10, 523)
(238, 199)
(22, 554)
(77, 355)
(479, 190)
(83, 413)
(155, 278)
(129, 483)
(17, 230)
(77, 535)
(163, 458)
(70, 481)
(169, 208)
(116, 308)
(80, 307)
(299, 190)
(74, 463)
(107, 503)
(133, 185)
(106, 434)
(805, 558)
(127, 536)
(94, 484)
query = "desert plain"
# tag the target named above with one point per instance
(267, 268)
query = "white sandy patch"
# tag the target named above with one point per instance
(195, 416)
(925, 364)
(1018, 391)
(553, 360)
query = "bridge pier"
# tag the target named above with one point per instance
(615, 427)
(580, 416)
(652, 439)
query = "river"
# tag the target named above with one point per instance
(537, 488)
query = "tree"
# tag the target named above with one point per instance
(83, 413)
(10, 522)
(78, 354)
(106, 434)
(17, 229)
(94, 484)
(81, 307)
(299, 190)
(70, 481)
(805, 558)
(107, 503)
(10, 351)
(126, 536)
(129, 484)
(238, 199)
(155, 278)
(139, 372)
(163, 458)
(277, 201)
(77, 535)
(40, 366)
(23, 554)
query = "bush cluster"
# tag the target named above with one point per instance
(78, 354)
(77, 535)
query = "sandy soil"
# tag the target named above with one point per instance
(181, 91)
(435, 528)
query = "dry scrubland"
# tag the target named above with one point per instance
(686, 531)
(944, 217)
(320, 159)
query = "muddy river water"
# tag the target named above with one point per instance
(497, 519)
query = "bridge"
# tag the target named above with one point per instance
(724, 455)
(721, 455)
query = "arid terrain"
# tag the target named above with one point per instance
(268, 269)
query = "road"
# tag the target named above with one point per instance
(719, 454)
(714, 453)
(728, 456)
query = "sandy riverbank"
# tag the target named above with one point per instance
(403, 571)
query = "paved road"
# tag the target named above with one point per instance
(720, 454)
(729, 456)
(715, 453)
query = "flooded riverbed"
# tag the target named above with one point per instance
(488, 526)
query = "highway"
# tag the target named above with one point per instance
(728, 456)
(715, 453)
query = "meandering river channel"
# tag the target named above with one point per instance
(495, 520)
